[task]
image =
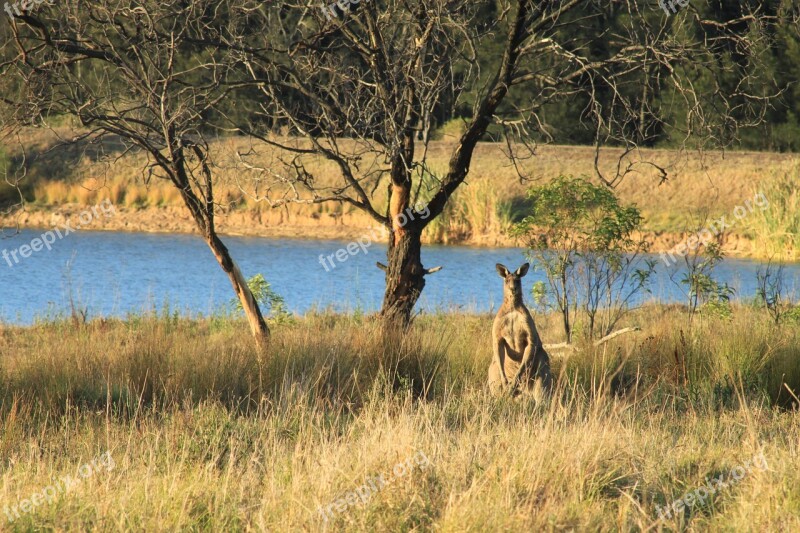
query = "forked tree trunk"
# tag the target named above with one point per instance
(405, 278)
(258, 325)
(405, 275)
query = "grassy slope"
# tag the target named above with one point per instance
(61, 179)
(208, 434)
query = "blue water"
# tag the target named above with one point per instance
(114, 273)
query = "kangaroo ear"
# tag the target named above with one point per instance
(521, 271)
(502, 270)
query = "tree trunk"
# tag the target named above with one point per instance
(405, 278)
(258, 326)
(565, 306)
(203, 214)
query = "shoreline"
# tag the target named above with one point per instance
(276, 225)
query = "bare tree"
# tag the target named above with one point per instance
(362, 83)
(130, 70)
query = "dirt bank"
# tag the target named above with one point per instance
(277, 223)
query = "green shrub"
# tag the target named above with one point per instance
(583, 238)
(272, 304)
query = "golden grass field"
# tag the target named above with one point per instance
(204, 433)
(166, 423)
(710, 184)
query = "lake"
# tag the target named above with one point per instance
(116, 273)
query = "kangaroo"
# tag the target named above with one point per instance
(519, 357)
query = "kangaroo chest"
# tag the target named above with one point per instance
(514, 331)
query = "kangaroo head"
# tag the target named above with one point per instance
(512, 282)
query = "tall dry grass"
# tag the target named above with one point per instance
(778, 227)
(209, 434)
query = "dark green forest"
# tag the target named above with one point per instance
(593, 32)
(778, 71)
